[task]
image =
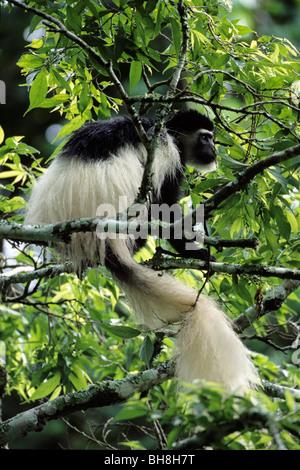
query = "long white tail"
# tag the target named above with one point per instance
(207, 346)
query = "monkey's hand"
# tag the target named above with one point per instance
(201, 254)
(189, 249)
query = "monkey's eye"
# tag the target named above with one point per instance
(204, 138)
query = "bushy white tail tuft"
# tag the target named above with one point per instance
(210, 350)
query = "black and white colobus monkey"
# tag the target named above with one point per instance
(103, 161)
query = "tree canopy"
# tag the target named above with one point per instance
(69, 342)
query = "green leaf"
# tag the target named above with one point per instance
(274, 56)
(293, 222)
(131, 411)
(121, 331)
(279, 178)
(71, 126)
(282, 223)
(94, 8)
(146, 351)
(73, 19)
(135, 74)
(14, 204)
(173, 435)
(78, 382)
(243, 30)
(237, 225)
(29, 61)
(36, 20)
(38, 91)
(150, 5)
(60, 80)
(56, 393)
(46, 387)
(200, 37)
(220, 59)
(243, 292)
(1, 135)
(143, 17)
(271, 238)
(84, 98)
(231, 163)
(176, 33)
(290, 401)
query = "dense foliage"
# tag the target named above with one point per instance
(91, 60)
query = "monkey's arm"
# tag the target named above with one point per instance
(190, 249)
(170, 194)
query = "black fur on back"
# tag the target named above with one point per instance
(98, 140)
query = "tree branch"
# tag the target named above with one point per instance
(96, 395)
(239, 269)
(264, 271)
(183, 50)
(279, 391)
(245, 176)
(62, 231)
(24, 277)
(271, 301)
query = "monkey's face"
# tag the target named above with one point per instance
(204, 147)
(200, 151)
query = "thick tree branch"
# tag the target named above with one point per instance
(271, 301)
(96, 395)
(244, 177)
(279, 391)
(183, 50)
(238, 243)
(239, 269)
(292, 276)
(62, 231)
(52, 233)
(31, 275)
